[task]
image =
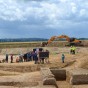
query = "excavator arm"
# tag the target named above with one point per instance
(55, 37)
(52, 39)
(64, 37)
(70, 40)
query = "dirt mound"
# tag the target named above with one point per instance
(82, 61)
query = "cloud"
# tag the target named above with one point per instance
(49, 9)
(54, 15)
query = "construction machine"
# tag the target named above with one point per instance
(72, 41)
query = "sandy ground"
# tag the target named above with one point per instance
(29, 73)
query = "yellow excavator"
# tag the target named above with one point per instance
(72, 41)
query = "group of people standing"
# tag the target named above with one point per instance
(34, 56)
(37, 57)
(31, 56)
(11, 58)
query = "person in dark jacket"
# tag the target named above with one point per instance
(7, 58)
(35, 57)
(29, 56)
(11, 58)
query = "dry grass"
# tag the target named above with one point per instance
(36, 44)
(19, 44)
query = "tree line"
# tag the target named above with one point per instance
(22, 39)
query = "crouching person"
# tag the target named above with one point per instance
(17, 60)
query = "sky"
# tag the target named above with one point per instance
(43, 18)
